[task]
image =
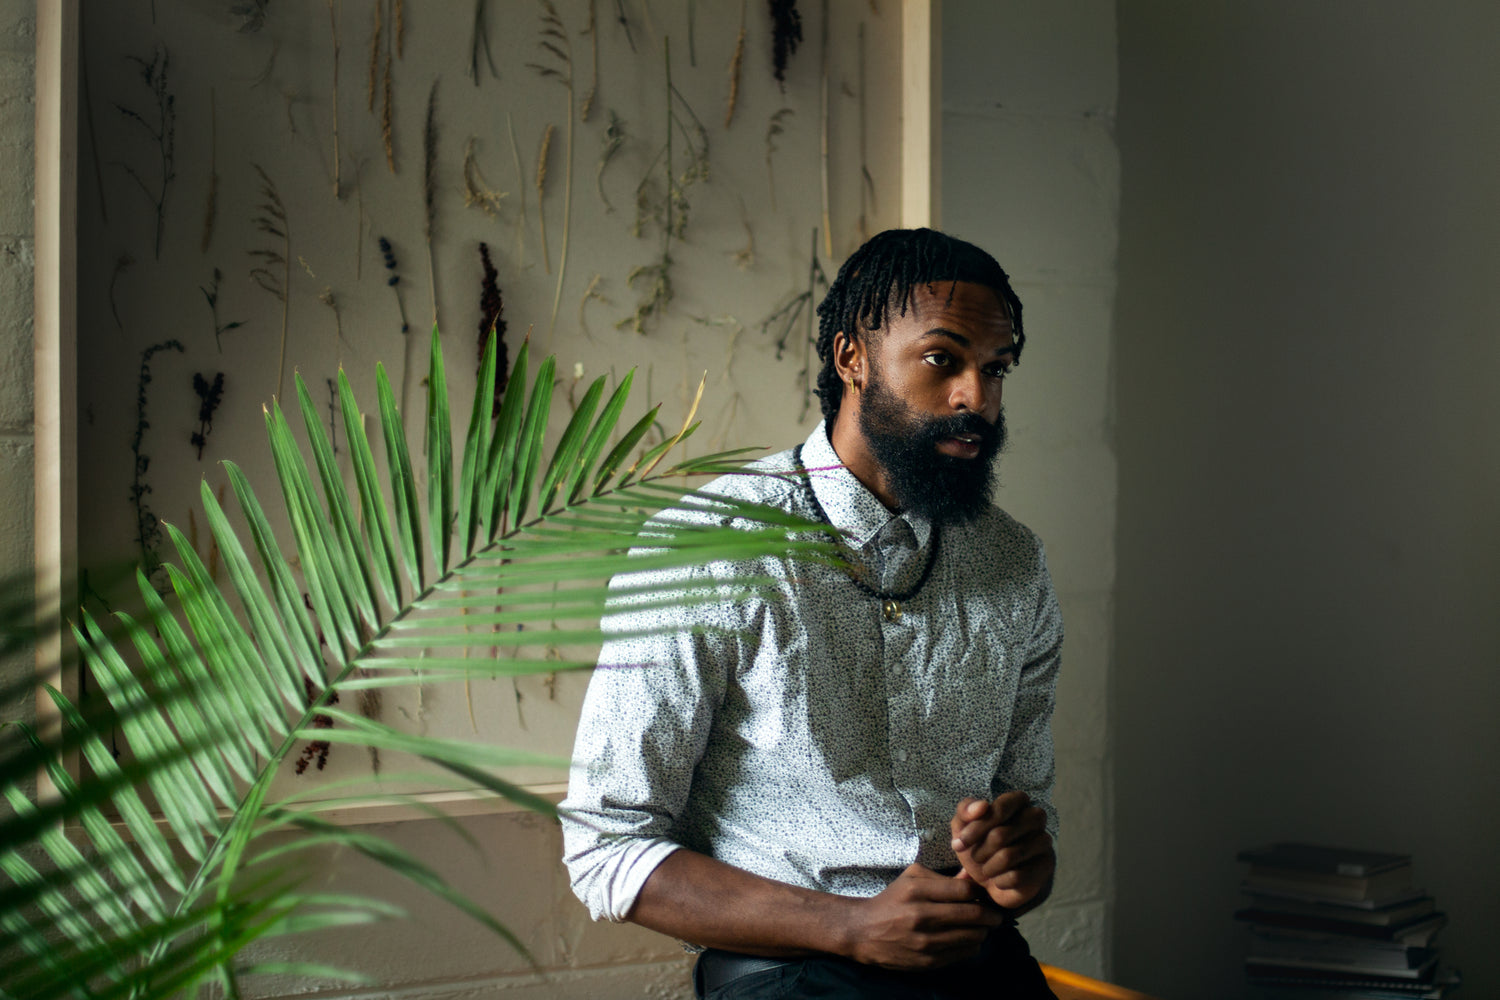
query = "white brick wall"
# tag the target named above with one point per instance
(1031, 172)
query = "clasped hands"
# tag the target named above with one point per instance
(925, 919)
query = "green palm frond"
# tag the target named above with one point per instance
(150, 874)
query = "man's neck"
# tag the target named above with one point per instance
(854, 451)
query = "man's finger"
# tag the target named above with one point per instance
(1015, 857)
(958, 916)
(1009, 804)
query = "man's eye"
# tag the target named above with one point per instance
(940, 360)
(999, 371)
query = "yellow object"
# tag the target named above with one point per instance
(1074, 986)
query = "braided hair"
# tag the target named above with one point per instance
(880, 276)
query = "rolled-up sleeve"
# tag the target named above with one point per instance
(646, 720)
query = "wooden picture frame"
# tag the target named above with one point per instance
(56, 330)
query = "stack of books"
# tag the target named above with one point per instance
(1328, 923)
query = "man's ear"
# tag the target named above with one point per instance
(849, 360)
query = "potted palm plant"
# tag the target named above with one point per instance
(213, 687)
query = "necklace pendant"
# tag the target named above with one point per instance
(891, 608)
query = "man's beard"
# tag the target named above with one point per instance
(921, 479)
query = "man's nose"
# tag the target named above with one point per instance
(970, 392)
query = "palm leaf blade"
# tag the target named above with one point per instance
(375, 524)
(439, 460)
(403, 484)
(344, 537)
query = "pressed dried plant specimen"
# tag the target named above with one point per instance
(160, 125)
(211, 294)
(586, 106)
(515, 154)
(429, 191)
(784, 319)
(479, 38)
(736, 63)
(543, 155)
(333, 29)
(614, 138)
(148, 533)
(774, 127)
(210, 395)
(492, 323)
(477, 191)
(786, 35)
(674, 207)
(557, 64)
(393, 279)
(271, 219)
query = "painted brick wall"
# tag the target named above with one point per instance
(1030, 171)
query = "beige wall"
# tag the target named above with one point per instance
(1030, 171)
(1305, 632)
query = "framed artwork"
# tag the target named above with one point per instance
(233, 195)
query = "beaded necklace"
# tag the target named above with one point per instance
(890, 601)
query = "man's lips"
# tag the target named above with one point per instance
(960, 445)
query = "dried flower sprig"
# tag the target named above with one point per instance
(656, 278)
(211, 293)
(673, 210)
(376, 31)
(333, 28)
(586, 107)
(122, 264)
(784, 319)
(477, 191)
(393, 279)
(557, 49)
(316, 752)
(492, 323)
(327, 297)
(210, 395)
(786, 35)
(400, 29)
(429, 192)
(624, 22)
(161, 128)
(479, 38)
(148, 534)
(272, 221)
(614, 138)
(774, 127)
(387, 101)
(736, 63)
(515, 153)
(674, 206)
(591, 293)
(744, 257)
(543, 154)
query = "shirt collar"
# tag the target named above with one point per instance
(851, 508)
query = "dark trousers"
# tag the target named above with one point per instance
(1005, 970)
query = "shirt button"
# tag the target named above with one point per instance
(900, 756)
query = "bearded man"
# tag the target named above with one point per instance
(841, 788)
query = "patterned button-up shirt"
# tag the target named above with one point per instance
(801, 735)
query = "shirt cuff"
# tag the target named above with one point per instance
(616, 894)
